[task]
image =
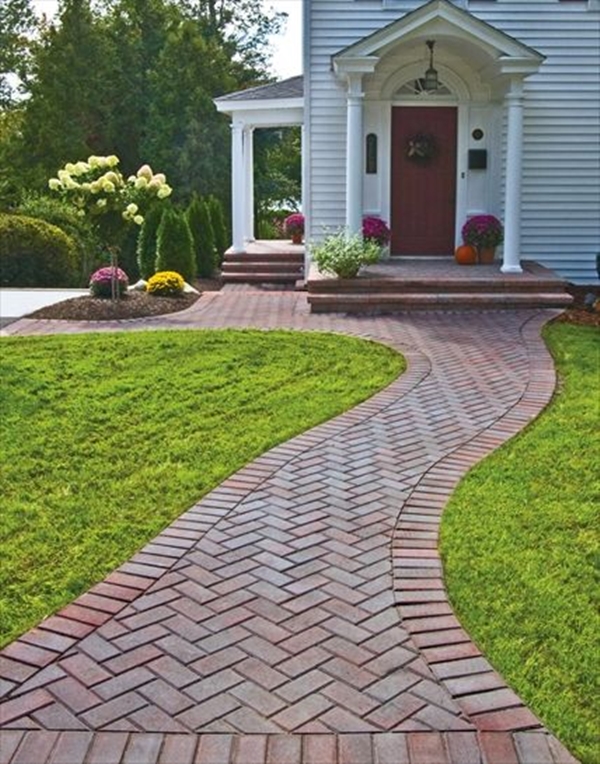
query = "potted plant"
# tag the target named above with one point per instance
(375, 229)
(294, 227)
(343, 255)
(484, 232)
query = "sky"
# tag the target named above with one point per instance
(287, 47)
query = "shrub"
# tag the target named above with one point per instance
(34, 253)
(146, 244)
(165, 284)
(100, 282)
(198, 218)
(342, 255)
(220, 231)
(63, 215)
(175, 246)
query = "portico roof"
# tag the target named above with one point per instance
(272, 105)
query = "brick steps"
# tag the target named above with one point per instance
(274, 265)
(398, 287)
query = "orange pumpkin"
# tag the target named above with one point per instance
(466, 254)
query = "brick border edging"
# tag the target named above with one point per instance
(421, 595)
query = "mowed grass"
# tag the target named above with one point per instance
(107, 438)
(520, 548)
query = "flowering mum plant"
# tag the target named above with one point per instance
(294, 224)
(483, 231)
(102, 280)
(375, 229)
(165, 284)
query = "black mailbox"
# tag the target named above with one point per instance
(477, 159)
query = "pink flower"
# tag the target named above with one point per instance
(375, 229)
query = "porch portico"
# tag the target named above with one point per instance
(280, 104)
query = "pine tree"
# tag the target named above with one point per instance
(175, 246)
(147, 240)
(221, 235)
(198, 218)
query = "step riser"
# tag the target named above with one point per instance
(231, 278)
(287, 257)
(261, 267)
(374, 287)
(371, 305)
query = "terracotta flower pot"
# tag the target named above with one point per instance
(296, 238)
(486, 255)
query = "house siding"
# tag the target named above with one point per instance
(561, 158)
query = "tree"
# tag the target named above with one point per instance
(17, 25)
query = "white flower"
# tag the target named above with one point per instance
(164, 191)
(81, 168)
(63, 176)
(132, 208)
(138, 219)
(145, 171)
(108, 186)
(93, 161)
(131, 179)
(54, 184)
(160, 177)
(70, 184)
(154, 184)
(141, 182)
(70, 168)
(101, 203)
(112, 160)
(111, 177)
(95, 187)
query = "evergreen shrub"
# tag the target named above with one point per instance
(146, 243)
(34, 253)
(175, 246)
(199, 221)
(165, 284)
(220, 231)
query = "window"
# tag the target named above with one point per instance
(371, 154)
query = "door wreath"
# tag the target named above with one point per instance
(421, 148)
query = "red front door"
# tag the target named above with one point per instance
(423, 180)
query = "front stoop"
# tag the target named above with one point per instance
(402, 285)
(267, 262)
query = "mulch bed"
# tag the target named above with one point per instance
(131, 305)
(583, 310)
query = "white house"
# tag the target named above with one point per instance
(427, 113)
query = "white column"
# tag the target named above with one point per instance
(238, 186)
(354, 154)
(512, 200)
(249, 179)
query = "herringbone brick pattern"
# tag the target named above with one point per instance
(298, 612)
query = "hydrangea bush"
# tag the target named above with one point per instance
(375, 229)
(103, 281)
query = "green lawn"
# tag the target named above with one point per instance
(520, 547)
(107, 438)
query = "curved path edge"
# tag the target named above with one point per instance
(498, 726)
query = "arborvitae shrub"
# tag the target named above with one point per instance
(198, 218)
(220, 232)
(175, 246)
(146, 244)
(34, 253)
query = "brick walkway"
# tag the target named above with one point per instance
(297, 614)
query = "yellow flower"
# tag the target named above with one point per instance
(112, 160)
(164, 191)
(138, 219)
(95, 187)
(108, 186)
(141, 182)
(70, 168)
(132, 208)
(54, 184)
